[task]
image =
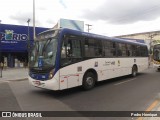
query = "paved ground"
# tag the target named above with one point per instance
(10, 102)
(10, 75)
(14, 74)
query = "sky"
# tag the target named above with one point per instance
(107, 17)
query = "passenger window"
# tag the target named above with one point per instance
(109, 49)
(121, 49)
(138, 51)
(129, 50)
(89, 48)
(92, 48)
(71, 50)
(133, 50)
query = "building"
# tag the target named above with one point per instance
(72, 24)
(148, 37)
(14, 42)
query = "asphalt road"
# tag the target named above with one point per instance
(120, 94)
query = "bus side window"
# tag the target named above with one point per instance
(129, 50)
(76, 49)
(71, 51)
(119, 51)
(134, 50)
(89, 48)
(108, 49)
(65, 50)
(92, 48)
(64, 55)
(138, 51)
(98, 48)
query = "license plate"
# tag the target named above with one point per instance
(37, 83)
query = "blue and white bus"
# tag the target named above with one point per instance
(65, 58)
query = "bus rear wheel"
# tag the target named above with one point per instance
(88, 81)
(134, 71)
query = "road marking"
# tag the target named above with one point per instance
(151, 107)
(125, 81)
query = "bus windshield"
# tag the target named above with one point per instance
(43, 53)
(156, 52)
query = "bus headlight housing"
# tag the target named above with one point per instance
(51, 74)
(156, 62)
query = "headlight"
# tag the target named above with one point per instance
(51, 74)
(156, 62)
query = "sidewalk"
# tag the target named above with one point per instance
(14, 74)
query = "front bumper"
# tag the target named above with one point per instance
(52, 84)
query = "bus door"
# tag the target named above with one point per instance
(71, 55)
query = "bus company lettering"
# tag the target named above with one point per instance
(10, 35)
(107, 63)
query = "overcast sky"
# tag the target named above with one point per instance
(107, 17)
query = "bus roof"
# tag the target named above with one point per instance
(92, 35)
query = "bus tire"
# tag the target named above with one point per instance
(88, 81)
(134, 71)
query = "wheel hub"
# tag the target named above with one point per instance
(89, 80)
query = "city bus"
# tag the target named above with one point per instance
(65, 58)
(156, 56)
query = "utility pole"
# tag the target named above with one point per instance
(1, 67)
(34, 30)
(28, 42)
(88, 25)
(28, 29)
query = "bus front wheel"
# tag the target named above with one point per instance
(88, 81)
